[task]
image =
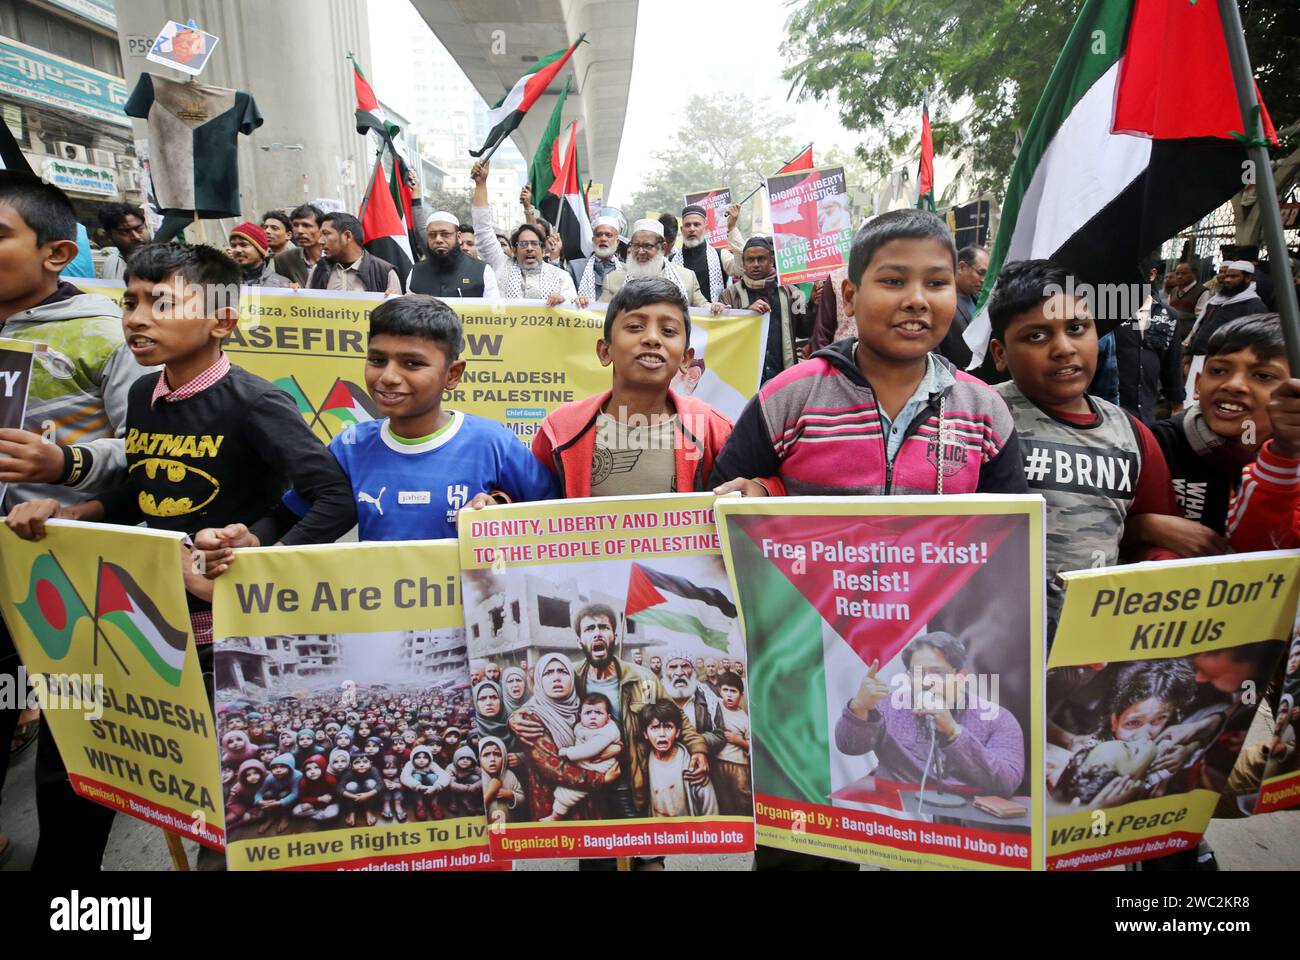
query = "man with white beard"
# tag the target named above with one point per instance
(592, 271)
(689, 694)
(712, 267)
(645, 259)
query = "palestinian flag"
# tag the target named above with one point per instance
(676, 604)
(804, 161)
(798, 639)
(370, 116)
(557, 183)
(124, 604)
(349, 404)
(509, 111)
(11, 155)
(53, 607)
(925, 176)
(385, 215)
(1136, 137)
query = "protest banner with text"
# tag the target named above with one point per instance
(98, 614)
(1280, 788)
(895, 675)
(715, 203)
(15, 378)
(614, 678)
(523, 358)
(343, 710)
(812, 223)
(1153, 680)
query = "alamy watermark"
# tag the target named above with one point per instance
(79, 692)
(918, 690)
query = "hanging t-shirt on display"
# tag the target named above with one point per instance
(192, 135)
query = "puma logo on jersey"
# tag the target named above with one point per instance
(364, 497)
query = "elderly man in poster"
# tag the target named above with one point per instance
(982, 746)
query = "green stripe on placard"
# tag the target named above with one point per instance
(787, 684)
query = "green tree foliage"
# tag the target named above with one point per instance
(720, 142)
(881, 59)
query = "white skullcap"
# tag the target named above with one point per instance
(605, 221)
(444, 216)
(1245, 266)
(653, 226)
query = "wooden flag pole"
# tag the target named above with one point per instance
(1279, 258)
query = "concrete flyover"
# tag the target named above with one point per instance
(601, 68)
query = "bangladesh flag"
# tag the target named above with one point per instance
(925, 176)
(508, 112)
(348, 403)
(290, 386)
(796, 635)
(124, 604)
(557, 182)
(1137, 136)
(676, 604)
(53, 607)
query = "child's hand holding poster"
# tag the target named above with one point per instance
(1155, 675)
(895, 680)
(609, 678)
(343, 709)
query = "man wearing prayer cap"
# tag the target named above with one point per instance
(447, 271)
(590, 272)
(1235, 298)
(645, 259)
(713, 268)
(785, 305)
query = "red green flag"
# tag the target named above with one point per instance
(123, 603)
(925, 176)
(53, 607)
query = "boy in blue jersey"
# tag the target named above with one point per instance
(413, 470)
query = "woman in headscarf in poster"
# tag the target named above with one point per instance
(491, 716)
(555, 705)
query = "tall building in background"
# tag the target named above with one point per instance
(62, 88)
(415, 73)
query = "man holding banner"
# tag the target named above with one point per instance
(713, 267)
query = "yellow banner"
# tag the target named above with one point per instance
(343, 710)
(1155, 674)
(524, 358)
(99, 616)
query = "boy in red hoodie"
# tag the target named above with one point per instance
(1263, 515)
(638, 437)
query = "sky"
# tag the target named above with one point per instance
(682, 47)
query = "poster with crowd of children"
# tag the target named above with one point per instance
(614, 678)
(895, 675)
(523, 358)
(1152, 683)
(343, 710)
(99, 616)
(1280, 789)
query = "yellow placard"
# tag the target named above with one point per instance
(99, 616)
(368, 638)
(1155, 674)
(524, 358)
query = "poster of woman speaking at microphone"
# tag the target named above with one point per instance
(895, 652)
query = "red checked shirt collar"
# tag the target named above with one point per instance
(209, 377)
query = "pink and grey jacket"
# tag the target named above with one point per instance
(814, 430)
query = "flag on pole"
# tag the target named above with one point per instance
(925, 176)
(676, 604)
(370, 116)
(387, 232)
(124, 604)
(1137, 136)
(53, 607)
(509, 111)
(804, 161)
(556, 180)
